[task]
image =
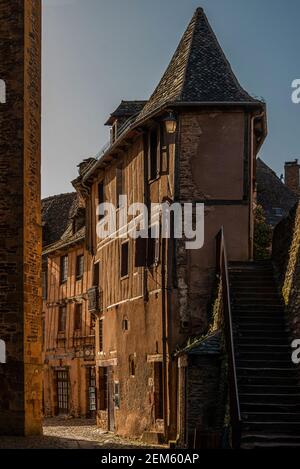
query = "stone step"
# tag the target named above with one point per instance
(269, 407)
(262, 334)
(266, 371)
(268, 388)
(260, 440)
(271, 417)
(244, 340)
(264, 363)
(289, 428)
(262, 357)
(262, 380)
(270, 398)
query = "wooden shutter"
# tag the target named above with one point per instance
(140, 252)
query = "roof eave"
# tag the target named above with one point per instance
(159, 110)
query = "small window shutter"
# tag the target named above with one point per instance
(148, 153)
(164, 153)
(157, 249)
(140, 252)
(159, 153)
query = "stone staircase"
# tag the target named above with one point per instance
(268, 381)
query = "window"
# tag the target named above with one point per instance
(62, 380)
(96, 272)
(63, 269)
(44, 284)
(132, 365)
(158, 390)
(101, 335)
(91, 378)
(278, 212)
(103, 383)
(43, 332)
(78, 316)
(100, 198)
(153, 154)
(62, 318)
(114, 132)
(117, 394)
(125, 324)
(153, 246)
(119, 184)
(79, 266)
(124, 259)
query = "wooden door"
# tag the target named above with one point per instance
(111, 399)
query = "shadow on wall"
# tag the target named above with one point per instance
(286, 259)
(2, 352)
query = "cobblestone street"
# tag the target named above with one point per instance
(70, 434)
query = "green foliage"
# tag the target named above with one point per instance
(262, 235)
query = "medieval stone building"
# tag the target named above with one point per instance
(194, 140)
(68, 326)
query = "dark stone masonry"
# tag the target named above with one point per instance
(20, 223)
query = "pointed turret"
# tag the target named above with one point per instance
(198, 72)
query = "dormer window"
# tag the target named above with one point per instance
(113, 132)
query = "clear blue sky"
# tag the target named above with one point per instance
(98, 52)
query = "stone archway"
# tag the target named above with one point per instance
(20, 218)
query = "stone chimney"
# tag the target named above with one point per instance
(292, 175)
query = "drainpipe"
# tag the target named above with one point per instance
(164, 341)
(251, 196)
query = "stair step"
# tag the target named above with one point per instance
(273, 427)
(262, 326)
(257, 319)
(272, 381)
(257, 347)
(269, 407)
(257, 308)
(263, 357)
(262, 335)
(271, 341)
(271, 398)
(260, 440)
(266, 371)
(268, 388)
(265, 363)
(271, 417)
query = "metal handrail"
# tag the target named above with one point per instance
(222, 271)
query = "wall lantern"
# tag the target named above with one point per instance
(170, 123)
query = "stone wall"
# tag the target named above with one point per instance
(20, 224)
(286, 258)
(204, 400)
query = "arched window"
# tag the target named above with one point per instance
(2, 352)
(2, 92)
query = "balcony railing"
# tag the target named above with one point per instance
(94, 300)
(82, 341)
(226, 324)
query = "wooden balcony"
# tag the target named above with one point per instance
(94, 300)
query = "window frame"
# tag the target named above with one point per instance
(79, 266)
(124, 275)
(64, 269)
(154, 153)
(78, 308)
(100, 197)
(62, 330)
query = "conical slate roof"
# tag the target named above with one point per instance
(198, 72)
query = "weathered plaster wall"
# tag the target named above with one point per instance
(213, 169)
